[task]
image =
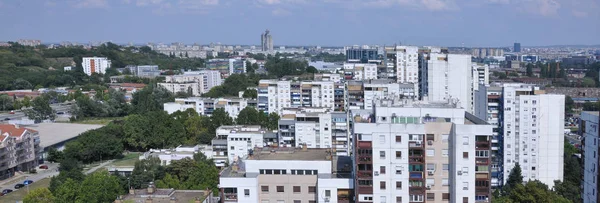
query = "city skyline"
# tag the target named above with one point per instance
(489, 23)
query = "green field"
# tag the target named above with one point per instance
(20, 194)
(128, 160)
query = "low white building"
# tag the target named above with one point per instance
(235, 142)
(287, 175)
(206, 106)
(360, 71)
(181, 152)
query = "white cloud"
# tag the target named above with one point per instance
(147, 2)
(269, 2)
(548, 7)
(439, 5)
(499, 1)
(580, 14)
(91, 4)
(280, 12)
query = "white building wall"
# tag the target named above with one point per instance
(100, 65)
(590, 172)
(407, 64)
(242, 183)
(450, 76)
(238, 144)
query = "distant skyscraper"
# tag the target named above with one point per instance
(266, 41)
(517, 47)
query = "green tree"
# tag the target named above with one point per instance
(218, 118)
(514, 178)
(569, 104)
(169, 181)
(312, 69)
(99, 187)
(54, 155)
(590, 106)
(156, 129)
(41, 110)
(6, 102)
(17, 105)
(198, 173)
(588, 82)
(26, 102)
(250, 93)
(151, 98)
(67, 191)
(39, 195)
(529, 70)
(249, 67)
(273, 122)
(145, 171)
(248, 116)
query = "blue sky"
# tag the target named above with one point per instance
(306, 22)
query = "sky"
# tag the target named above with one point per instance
(469, 23)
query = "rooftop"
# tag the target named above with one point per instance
(166, 195)
(296, 154)
(595, 113)
(409, 103)
(54, 133)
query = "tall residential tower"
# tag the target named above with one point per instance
(266, 41)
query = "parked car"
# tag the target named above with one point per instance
(12, 112)
(44, 167)
(7, 119)
(17, 186)
(6, 191)
(27, 182)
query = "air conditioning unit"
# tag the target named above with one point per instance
(429, 142)
(430, 173)
(376, 173)
(460, 173)
(429, 187)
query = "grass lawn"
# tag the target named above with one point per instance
(128, 160)
(18, 195)
(99, 121)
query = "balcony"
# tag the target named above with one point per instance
(415, 144)
(365, 174)
(365, 159)
(230, 197)
(483, 145)
(482, 161)
(415, 160)
(416, 175)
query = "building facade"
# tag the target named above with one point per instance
(19, 150)
(533, 127)
(266, 41)
(95, 65)
(588, 127)
(447, 77)
(275, 95)
(420, 152)
(206, 106)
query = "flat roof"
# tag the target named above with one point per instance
(54, 133)
(291, 154)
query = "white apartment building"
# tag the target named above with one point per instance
(166, 156)
(274, 95)
(362, 94)
(360, 71)
(407, 64)
(590, 132)
(334, 77)
(417, 151)
(198, 82)
(488, 107)
(274, 175)
(447, 77)
(305, 126)
(19, 148)
(533, 127)
(481, 74)
(236, 142)
(206, 106)
(95, 65)
(195, 88)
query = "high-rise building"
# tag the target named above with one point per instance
(415, 152)
(447, 77)
(362, 55)
(275, 95)
(266, 41)
(487, 101)
(517, 47)
(407, 64)
(532, 127)
(360, 71)
(589, 128)
(95, 65)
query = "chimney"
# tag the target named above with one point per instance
(148, 200)
(131, 191)
(151, 188)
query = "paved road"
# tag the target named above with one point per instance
(573, 138)
(19, 114)
(51, 171)
(102, 165)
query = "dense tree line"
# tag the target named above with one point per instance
(280, 66)
(234, 84)
(327, 57)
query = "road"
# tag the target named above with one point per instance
(573, 138)
(51, 171)
(19, 114)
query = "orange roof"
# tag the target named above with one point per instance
(14, 131)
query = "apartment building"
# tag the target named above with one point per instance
(589, 130)
(305, 126)
(95, 65)
(447, 77)
(407, 64)
(144, 70)
(488, 107)
(408, 151)
(194, 82)
(166, 156)
(360, 71)
(206, 106)
(19, 150)
(276, 175)
(334, 77)
(481, 74)
(193, 88)
(361, 94)
(532, 129)
(236, 142)
(211, 78)
(274, 95)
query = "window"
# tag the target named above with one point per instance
(398, 154)
(399, 185)
(481, 153)
(297, 201)
(445, 152)
(446, 196)
(445, 167)
(382, 170)
(398, 138)
(327, 193)
(466, 155)
(445, 138)
(246, 192)
(431, 152)
(312, 189)
(269, 171)
(429, 182)
(416, 198)
(465, 185)
(312, 201)
(264, 188)
(398, 199)
(398, 170)
(430, 167)
(445, 182)
(280, 189)
(465, 140)
(382, 185)
(430, 196)
(232, 147)
(382, 154)
(296, 189)
(430, 137)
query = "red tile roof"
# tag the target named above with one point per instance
(12, 130)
